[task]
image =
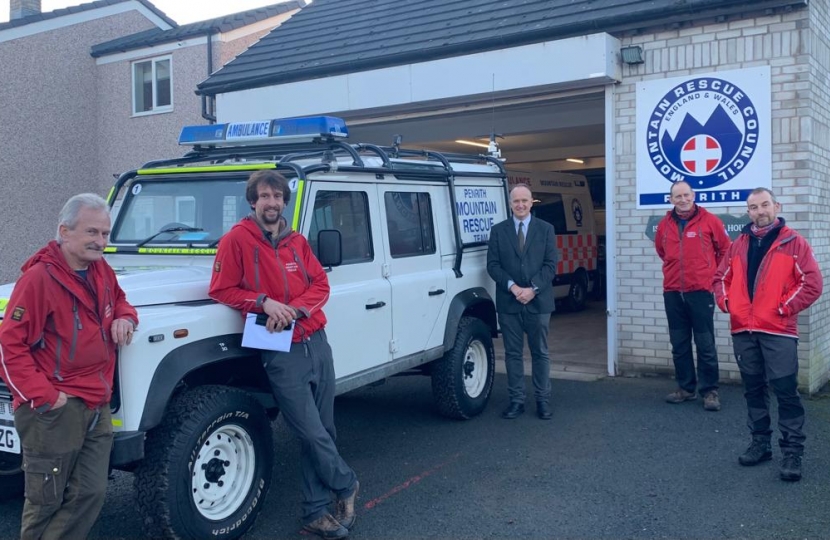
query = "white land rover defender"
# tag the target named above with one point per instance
(403, 236)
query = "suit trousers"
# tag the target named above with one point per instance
(302, 381)
(514, 326)
(691, 314)
(66, 455)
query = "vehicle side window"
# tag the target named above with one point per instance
(552, 210)
(347, 212)
(409, 222)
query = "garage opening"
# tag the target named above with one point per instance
(555, 143)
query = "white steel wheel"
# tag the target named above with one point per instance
(475, 369)
(223, 471)
(463, 378)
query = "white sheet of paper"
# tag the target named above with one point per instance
(257, 336)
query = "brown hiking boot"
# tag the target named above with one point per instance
(345, 513)
(711, 402)
(327, 527)
(680, 395)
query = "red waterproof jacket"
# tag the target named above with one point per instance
(247, 268)
(788, 281)
(56, 332)
(690, 261)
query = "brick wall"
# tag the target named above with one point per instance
(795, 46)
(816, 133)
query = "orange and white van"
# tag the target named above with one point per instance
(564, 200)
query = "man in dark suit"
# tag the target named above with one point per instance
(521, 259)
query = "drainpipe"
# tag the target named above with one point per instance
(208, 115)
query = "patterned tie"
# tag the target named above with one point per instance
(521, 236)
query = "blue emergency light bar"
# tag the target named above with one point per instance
(281, 130)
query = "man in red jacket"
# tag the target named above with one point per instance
(691, 243)
(64, 321)
(262, 266)
(767, 278)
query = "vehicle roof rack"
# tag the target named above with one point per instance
(289, 140)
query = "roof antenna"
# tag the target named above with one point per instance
(493, 146)
(396, 144)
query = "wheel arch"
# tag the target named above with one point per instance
(216, 360)
(475, 302)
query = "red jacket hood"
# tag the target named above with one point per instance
(49, 254)
(250, 225)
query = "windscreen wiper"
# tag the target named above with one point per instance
(169, 230)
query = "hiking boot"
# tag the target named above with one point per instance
(345, 513)
(757, 452)
(326, 526)
(680, 395)
(711, 402)
(791, 468)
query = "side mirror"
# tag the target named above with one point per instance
(329, 247)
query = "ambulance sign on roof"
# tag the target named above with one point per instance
(479, 209)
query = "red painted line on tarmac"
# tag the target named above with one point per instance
(409, 483)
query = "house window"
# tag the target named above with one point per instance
(152, 89)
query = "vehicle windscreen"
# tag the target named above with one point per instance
(181, 211)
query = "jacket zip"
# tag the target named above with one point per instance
(77, 326)
(256, 268)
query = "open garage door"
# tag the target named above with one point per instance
(543, 135)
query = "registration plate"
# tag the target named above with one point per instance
(9, 441)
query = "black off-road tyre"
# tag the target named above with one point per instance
(11, 476)
(578, 293)
(181, 480)
(463, 379)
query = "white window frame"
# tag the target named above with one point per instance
(156, 109)
(179, 201)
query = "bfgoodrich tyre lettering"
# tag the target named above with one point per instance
(208, 466)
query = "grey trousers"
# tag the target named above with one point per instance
(514, 326)
(769, 360)
(303, 384)
(66, 455)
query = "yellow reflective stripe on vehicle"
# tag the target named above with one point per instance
(177, 251)
(212, 168)
(295, 222)
(3, 303)
(110, 195)
(117, 423)
(163, 251)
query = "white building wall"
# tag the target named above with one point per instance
(797, 55)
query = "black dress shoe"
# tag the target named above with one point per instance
(513, 411)
(543, 410)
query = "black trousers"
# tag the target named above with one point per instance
(303, 384)
(691, 315)
(769, 360)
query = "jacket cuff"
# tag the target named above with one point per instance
(261, 300)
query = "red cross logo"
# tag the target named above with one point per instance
(701, 154)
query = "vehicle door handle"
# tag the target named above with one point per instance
(436, 292)
(376, 305)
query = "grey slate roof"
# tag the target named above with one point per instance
(227, 23)
(77, 9)
(332, 37)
